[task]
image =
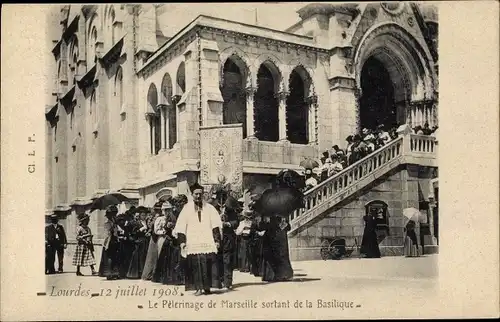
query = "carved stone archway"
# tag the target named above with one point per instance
(409, 65)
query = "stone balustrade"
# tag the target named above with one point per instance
(409, 148)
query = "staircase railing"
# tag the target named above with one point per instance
(418, 149)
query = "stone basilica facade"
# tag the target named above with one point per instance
(130, 103)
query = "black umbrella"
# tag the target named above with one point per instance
(290, 178)
(279, 201)
(106, 200)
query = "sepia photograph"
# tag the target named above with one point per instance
(226, 155)
(241, 157)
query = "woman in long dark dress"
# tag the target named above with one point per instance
(152, 254)
(255, 246)
(168, 270)
(284, 270)
(126, 245)
(110, 260)
(369, 244)
(268, 260)
(141, 242)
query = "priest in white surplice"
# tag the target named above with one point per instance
(198, 230)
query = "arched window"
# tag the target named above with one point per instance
(170, 117)
(266, 103)
(72, 60)
(181, 79)
(297, 109)
(233, 92)
(92, 45)
(154, 120)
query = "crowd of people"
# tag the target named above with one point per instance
(196, 243)
(357, 147)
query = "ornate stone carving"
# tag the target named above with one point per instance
(411, 21)
(281, 95)
(393, 8)
(401, 35)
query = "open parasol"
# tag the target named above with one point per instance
(279, 201)
(309, 163)
(106, 200)
(290, 178)
(413, 214)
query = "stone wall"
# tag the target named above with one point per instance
(399, 189)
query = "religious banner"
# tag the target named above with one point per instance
(222, 155)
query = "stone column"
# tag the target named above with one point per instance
(281, 96)
(344, 101)
(163, 121)
(212, 98)
(175, 100)
(312, 106)
(103, 138)
(166, 127)
(250, 92)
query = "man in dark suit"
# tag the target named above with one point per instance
(55, 242)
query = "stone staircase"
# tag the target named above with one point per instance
(406, 149)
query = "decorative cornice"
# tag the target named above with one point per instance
(281, 95)
(327, 9)
(342, 82)
(203, 23)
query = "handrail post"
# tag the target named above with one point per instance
(404, 131)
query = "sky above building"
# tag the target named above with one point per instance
(173, 17)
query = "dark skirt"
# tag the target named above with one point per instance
(151, 260)
(284, 270)
(126, 250)
(110, 261)
(256, 256)
(369, 244)
(266, 269)
(168, 268)
(138, 259)
(202, 272)
(243, 258)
